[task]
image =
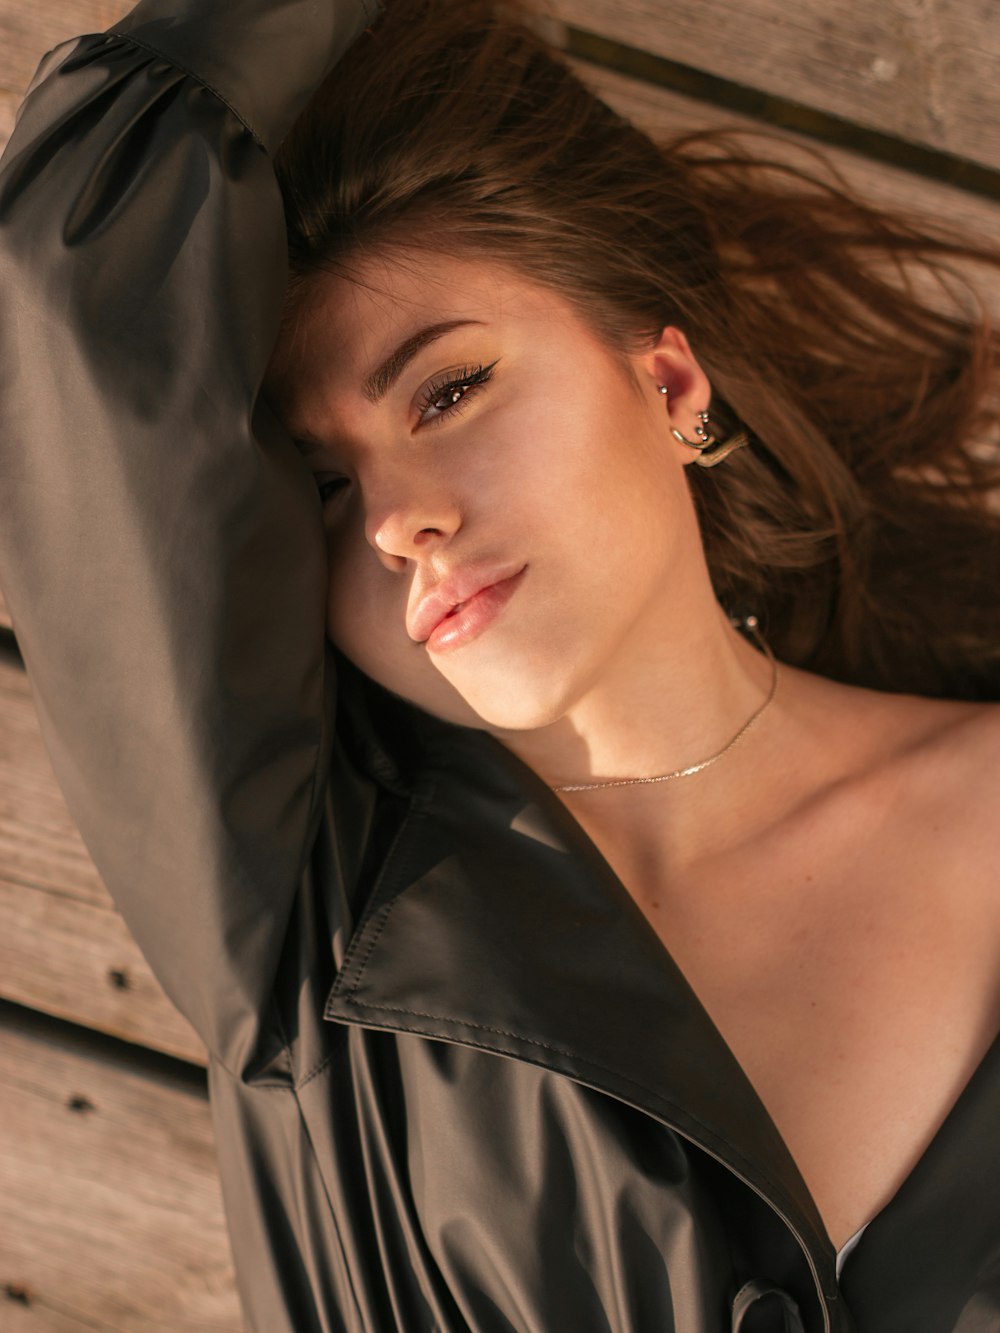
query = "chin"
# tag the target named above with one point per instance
(508, 709)
(498, 694)
(514, 701)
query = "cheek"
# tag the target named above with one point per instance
(365, 611)
(366, 621)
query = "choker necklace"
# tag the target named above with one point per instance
(752, 624)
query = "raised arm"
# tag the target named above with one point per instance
(161, 545)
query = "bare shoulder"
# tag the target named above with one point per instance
(954, 745)
(941, 767)
(956, 740)
(930, 768)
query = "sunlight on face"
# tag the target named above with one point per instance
(465, 427)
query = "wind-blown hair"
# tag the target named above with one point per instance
(862, 524)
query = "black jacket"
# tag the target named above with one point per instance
(457, 1082)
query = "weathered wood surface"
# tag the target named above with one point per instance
(27, 31)
(757, 39)
(64, 948)
(922, 70)
(111, 1217)
(8, 108)
(664, 115)
(754, 45)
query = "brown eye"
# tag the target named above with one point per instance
(442, 398)
(450, 397)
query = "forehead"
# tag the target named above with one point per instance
(345, 324)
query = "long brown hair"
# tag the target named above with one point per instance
(862, 522)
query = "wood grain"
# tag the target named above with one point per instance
(923, 70)
(664, 115)
(645, 22)
(8, 108)
(28, 31)
(79, 962)
(64, 948)
(112, 1217)
(39, 844)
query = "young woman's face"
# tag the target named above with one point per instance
(474, 443)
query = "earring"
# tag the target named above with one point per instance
(710, 450)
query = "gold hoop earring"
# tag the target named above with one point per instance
(710, 450)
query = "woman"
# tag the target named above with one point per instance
(723, 905)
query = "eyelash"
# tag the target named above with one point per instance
(469, 379)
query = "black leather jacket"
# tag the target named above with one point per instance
(457, 1082)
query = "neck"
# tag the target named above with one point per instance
(663, 710)
(678, 705)
(699, 766)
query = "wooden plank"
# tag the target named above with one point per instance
(112, 1217)
(39, 843)
(922, 70)
(64, 948)
(77, 962)
(664, 115)
(28, 31)
(8, 106)
(658, 109)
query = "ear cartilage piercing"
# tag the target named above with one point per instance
(710, 450)
(701, 430)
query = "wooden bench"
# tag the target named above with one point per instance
(111, 1214)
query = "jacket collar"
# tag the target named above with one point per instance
(497, 923)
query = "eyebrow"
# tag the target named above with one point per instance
(383, 377)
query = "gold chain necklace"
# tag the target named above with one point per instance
(753, 625)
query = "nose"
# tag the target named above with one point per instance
(407, 529)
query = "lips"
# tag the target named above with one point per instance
(447, 599)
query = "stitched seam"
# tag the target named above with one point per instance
(420, 800)
(582, 1062)
(315, 1072)
(385, 912)
(480, 1027)
(202, 82)
(351, 967)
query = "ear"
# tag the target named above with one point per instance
(671, 364)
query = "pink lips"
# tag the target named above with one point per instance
(473, 616)
(463, 605)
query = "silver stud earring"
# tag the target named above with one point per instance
(663, 389)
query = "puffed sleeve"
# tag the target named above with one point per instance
(161, 541)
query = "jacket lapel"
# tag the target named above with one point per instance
(497, 923)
